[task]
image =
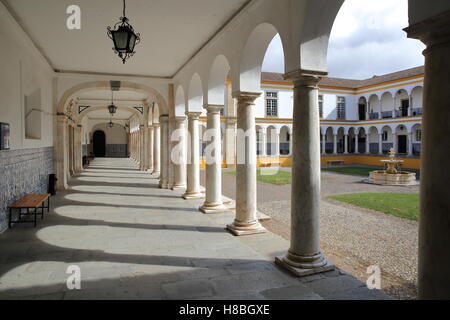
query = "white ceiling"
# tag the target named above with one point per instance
(118, 95)
(171, 30)
(122, 114)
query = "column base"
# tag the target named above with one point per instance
(246, 229)
(156, 172)
(214, 208)
(193, 195)
(304, 266)
(178, 187)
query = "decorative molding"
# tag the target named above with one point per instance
(82, 108)
(140, 109)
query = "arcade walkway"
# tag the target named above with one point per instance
(133, 240)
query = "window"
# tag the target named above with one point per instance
(321, 106)
(418, 135)
(385, 135)
(271, 104)
(340, 108)
(33, 120)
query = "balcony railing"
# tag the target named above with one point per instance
(386, 114)
(374, 116)
(416, 112)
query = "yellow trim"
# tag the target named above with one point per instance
(369, 160)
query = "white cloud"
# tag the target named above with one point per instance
(367, 39)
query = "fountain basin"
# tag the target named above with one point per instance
(382, 177)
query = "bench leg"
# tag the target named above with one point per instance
(35, 218)
(48, 204)
(43, 210)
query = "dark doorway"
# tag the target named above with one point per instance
(404, 108)
(402, 144)
(99, 144)
(362, 112)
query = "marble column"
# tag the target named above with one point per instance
(304, 256)
(380, 144)
(78, 150)
(324, 143)
(143, 146)
(178, 156)
(150, 149)
(71, 147)
(434, 223)
(164, 175)
(264, 144)
(346, 144)
(213, 157)
(367, 144)
(156, 148)
(246, 221)
(193, 190)
(410, 144)
(395, 137)
(335, 151)
(356, 143)
(230, 142)
(276, 138)
(61, 152)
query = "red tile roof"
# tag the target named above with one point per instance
(350, 83)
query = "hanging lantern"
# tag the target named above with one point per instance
(112, 109)
(124, 37)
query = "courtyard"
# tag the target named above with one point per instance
(353, 238)
(132, 240)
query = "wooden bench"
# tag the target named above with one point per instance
(28, 202)
(335, 162)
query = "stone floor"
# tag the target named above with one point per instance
(132, 240)
(352, 237)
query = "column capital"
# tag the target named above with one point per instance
(193, 115)
(164, 118)
(245, 98)
(305, 78)
(214, 108)
(432, 31)
(156, 125)
(231, 120)
(179, 118)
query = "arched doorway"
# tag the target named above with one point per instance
(99, 143)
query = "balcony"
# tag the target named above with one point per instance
(416, 112)
(374, 116)
(386, 114)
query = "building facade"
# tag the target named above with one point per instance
(360, 120)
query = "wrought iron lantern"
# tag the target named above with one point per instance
(124, 37)
(112, 107)
(110, 124)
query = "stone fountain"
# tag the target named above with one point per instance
(392, 175)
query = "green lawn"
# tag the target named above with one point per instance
(360, 171)
(279, 178)
(397, 204)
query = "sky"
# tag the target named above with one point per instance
(366, 40)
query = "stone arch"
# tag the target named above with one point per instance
(71, 93)
(180, 101)
(135, 112)
(218, 75)
(285, 140)
(253, 55)
(195, 94)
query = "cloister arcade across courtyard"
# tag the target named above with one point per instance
(164, 116)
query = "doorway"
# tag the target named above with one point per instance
(362, 112)
(99, 144)
(402, 144)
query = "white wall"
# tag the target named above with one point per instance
(24, 73)
(114, 135)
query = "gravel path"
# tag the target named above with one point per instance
(353, 238)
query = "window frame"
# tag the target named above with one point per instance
(271, 96)
(341, 108)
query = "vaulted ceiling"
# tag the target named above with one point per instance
(172, 32)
